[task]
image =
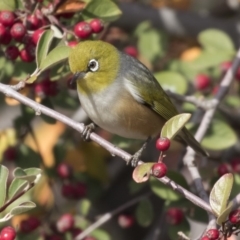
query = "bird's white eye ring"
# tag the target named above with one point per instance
(93, 65)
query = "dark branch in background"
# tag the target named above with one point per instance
(40, 109)
(174, 22)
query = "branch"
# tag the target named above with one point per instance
(115, 151)
(107, 216)
(205, 123)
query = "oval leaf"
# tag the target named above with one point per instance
(43, 46)
(19, 172)
(174, 125)
(144, 213)
(3, 184)
(172, 81)
(57, 55)
(216, 40)
(142, 172)
(220, 132)
(104, 9)
(17, 186)
(24, 207)
(220, 194)
(224, 215)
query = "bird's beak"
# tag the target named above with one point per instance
(77, 76)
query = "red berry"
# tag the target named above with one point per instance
(46, 87)
(131, 50)
(202, 82)
(125, 221)
(33, 22)
(163, 144)
(96, 25)
(224, 168)
(65, 223)
(10, 154)
(174, 216)
(235, 163)
(29, 225)
(36, 35)
(18, 31)
(27, 39)
(72, 43)
(212, 234)
(225, 66)
(238, 75)
(7, 18)
(79, 190)
(82, 30)
(159, 170)
(64, 170)
(8, 233)
(68, 190)
(26, 56)
(5, 36)
(75, 232)
(12, 52)
(234, 216)
(205, 238)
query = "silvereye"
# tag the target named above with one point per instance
(120, 94)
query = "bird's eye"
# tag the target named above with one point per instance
(93, 65)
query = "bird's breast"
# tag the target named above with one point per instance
(116, 111)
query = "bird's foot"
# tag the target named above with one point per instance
(88, 129)
(136, 157)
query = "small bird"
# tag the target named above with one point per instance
(120, 94)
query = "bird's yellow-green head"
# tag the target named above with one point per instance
(95, 65)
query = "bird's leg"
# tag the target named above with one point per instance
(88, 129)
(135, 158)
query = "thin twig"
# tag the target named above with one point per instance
(204, 125)
(107, 216)
(40, 109)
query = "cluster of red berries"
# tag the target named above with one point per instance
(22, 32)
(232, 167)
(70, 189)
(84, 30)
(10, 154)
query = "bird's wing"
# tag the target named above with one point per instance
(146, 90)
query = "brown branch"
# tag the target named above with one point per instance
(115, 151)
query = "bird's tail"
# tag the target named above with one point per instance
(188, 138)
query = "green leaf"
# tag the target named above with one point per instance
(30, 174)
(142, 172)
(9, 5)
(232, 101)
(43, 46)
(221, 133)
(22, 208)
(220, 194)
(3, 184)
(216, 40)
(165, 192)
(47, 102)
(174, 125)
(224, 215)
(32, 79)
(85, 206)
(142, 28)
(144, 213)
(135, 187)
(104, 9)
(16, 186)
(172, 81)
(27, 113)
(19, 172)
(154, 50)
(100, 234)
(28, 157)
(56, 56)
